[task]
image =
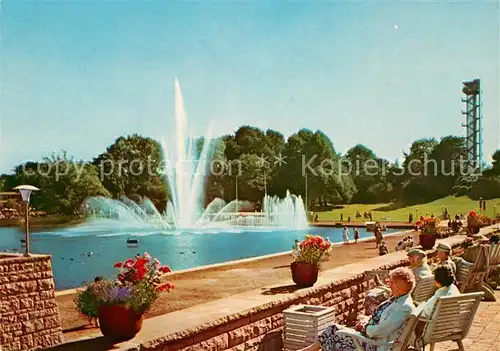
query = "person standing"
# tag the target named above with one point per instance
(356, 235)
(346, 235)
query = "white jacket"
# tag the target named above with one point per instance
(451, 290)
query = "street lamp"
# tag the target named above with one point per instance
(25, 191)
(237, 205)
(307, 207)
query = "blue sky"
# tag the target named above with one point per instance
(76, 75)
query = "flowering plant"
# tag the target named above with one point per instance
(138, 284)
(428, 225)
(478, 220)
(313, 249)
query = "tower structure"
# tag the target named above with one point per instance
(473, 124)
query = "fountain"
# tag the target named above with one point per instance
(185, 179)
(118, 229)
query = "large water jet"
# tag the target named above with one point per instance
(185, 179)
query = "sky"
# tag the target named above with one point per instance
(77, 75)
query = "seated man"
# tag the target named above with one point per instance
(401, 245)
(383, 324)
(382, 249)
(418, 264)
(444, 257)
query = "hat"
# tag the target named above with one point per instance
(444, 247)
(417, 252)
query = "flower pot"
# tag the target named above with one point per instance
(304, 274)
(473, 229)
(118, 322)
(427, 241)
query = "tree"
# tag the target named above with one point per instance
(64, 183)
(369, 174)
(432, 168)
(415, 160)
(485, 187)
(494, 170)
(132, 166)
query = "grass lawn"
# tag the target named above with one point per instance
(393, 212)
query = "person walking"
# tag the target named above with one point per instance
(356, 235)
(346, 235)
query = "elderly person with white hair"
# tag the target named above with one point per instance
(418, 264)
(420, 269)
(385, 322)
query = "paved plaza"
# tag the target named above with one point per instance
(484, 334)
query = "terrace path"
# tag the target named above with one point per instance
(197, 286)
(484, 334)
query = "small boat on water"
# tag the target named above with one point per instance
(132, 242)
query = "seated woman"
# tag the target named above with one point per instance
(383, 324)
(444, 281)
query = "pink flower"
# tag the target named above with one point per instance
(118, 265)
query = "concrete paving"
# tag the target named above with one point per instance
(484, 334)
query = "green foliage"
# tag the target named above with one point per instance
(87, 302)
(64, 183)
(132, 167)
(137, 287)
(485, 187)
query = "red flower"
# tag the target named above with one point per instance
(166, 287)
(118, 265)
(141, 262)
(165, 269)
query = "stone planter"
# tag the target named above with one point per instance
(427, 241)
(119, 323)
(304, 274)
(303, 324)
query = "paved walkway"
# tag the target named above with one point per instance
(484, 334)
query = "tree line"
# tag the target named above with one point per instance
(262, 162)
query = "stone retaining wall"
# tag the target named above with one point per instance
(261, 329)
(29, 317)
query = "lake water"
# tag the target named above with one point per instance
(79, 254)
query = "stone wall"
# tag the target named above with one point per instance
(29, 317)
(260, 329)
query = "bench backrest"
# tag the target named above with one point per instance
(426, 287)
(452, 318)
(470, 275)
(495, 255)
(406, 332)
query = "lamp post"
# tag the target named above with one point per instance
(307, 207)
(237, 205)
(25, 191)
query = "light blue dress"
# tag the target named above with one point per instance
(383, 325)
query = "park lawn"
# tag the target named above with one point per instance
(391, 212)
